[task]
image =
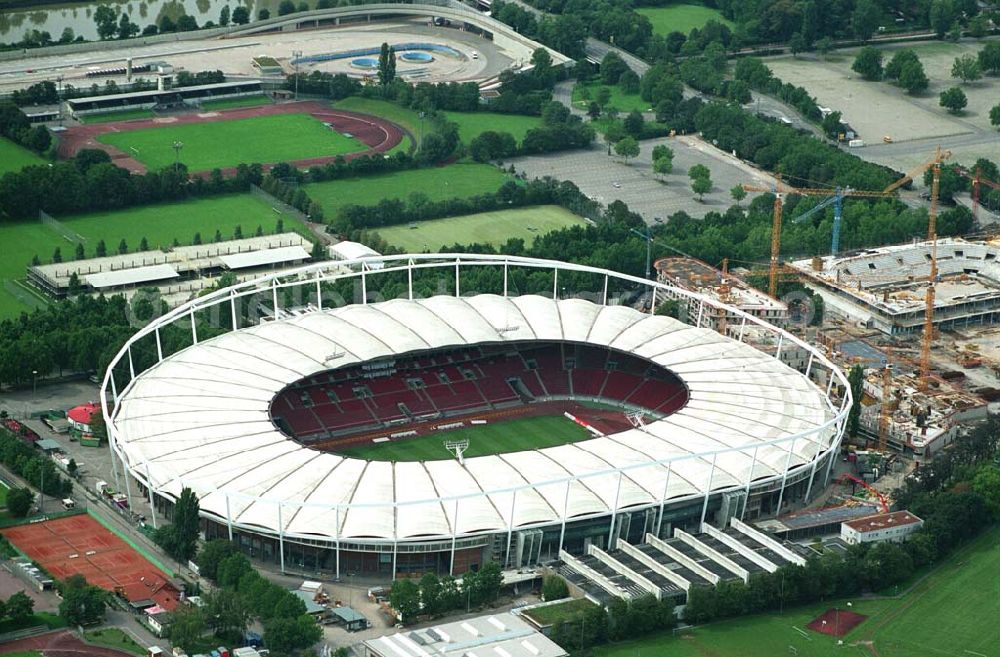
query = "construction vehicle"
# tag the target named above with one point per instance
(883, 501)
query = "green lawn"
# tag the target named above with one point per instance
(680, 17)
(113, 637)
(159, 224)
(14, 157)
(951, 613)
(234, 103)
(584, 93)
(499, 438)
(486, 227)
(471, 124)
(567, 610)
(406, 118)
(111, 117)
(438, 183)
(264, 139)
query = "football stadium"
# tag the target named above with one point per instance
(546, 412)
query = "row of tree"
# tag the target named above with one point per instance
(433, 596)
(241, 597)
(31, 465)
(90, 181)
(15, 126)
(759, 77)
(620, 620)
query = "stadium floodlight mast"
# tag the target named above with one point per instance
(457, 447)
(296, 54)
(178, 145)
(637, 419)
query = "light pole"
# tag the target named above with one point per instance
(295, 61)
(34, 385)
(178, 145)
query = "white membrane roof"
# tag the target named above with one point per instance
(200, 418)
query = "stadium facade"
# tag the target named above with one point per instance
(728, 430)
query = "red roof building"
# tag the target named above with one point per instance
(895, 526)
(79, 417)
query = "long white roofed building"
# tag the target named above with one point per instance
(251, 420)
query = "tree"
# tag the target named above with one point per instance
(19, 501)
(663, 166)
(287, 635)
(895, 65)
(196, 240)
(405, 599)
(187, 628)
(738, 193)
(634, 124)
(122, 247)
(286, 7)
(57, 255)
(224, 16)
(966, 68)
(227, 614)
(942, 16)
(953, 100)
(987, 483)
(263, 14)
(386, 65)
(612, 68)
(106, 20)
(797, 44)
(825, 46)
(699, 171)
(831, 124)
(995, 115)
(989, 57)
(187, 522)
(72, 468)
(701, 186)
(143, 244)
(82, 604)
(78, 252)
(868, 63)
(554, 588)
(603, 97)
(241, 15)
(912, 77)
(187, 23)
(212, 554)
(19, 607)
(126, 28)
(101, 250)
(627, 147)
(855, 378)
(865, 19)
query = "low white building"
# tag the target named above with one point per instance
(896, 527)
(497, 635)
(354, 251)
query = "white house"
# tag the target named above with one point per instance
(896, 526)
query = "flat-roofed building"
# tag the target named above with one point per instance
(896, 527)
(497, 635)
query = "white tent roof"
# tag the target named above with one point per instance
(132, 276)
(200, 418)
(264, 257)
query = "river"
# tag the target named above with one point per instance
(17, 22)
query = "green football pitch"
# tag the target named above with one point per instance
(436, 183)
(159, 224)
(951, 612)
(472, 124)
(14, 157)
(206, 146)
(485, 228)
(680, 17)
(495, 438)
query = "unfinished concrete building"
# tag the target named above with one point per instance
(885, 288)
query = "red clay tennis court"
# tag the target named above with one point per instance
(836, 622)
(81, 545)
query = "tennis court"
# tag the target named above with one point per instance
(81, 545)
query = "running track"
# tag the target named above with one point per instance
(378, 134)
(62, 643)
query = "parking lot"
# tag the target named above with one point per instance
(607, 178)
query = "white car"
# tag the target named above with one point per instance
(474, 54)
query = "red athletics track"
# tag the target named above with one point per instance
(81, 545)
(62, 643)
(378, 134)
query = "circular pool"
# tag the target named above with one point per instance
(365, 62)
(417, 56)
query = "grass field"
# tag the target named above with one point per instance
(564, 611)
(472, 124)
(499, 438)
(951, 613)
(621, 101)
(438, 183)
(112, 637)
(680, 17)
(408, 119)
(486, 227)
(14, 157)
(159, 224)
(111, 117)
(233, 103)
(264, 139)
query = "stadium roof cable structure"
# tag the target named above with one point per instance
(200, 418)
